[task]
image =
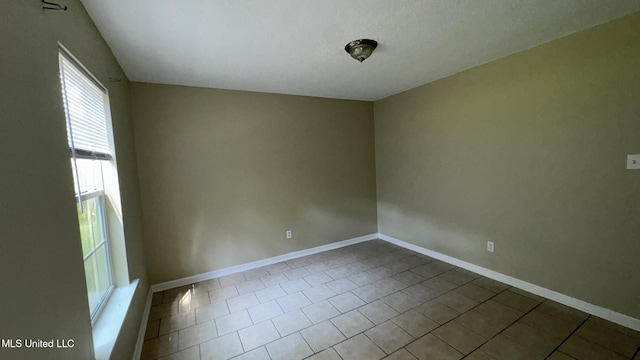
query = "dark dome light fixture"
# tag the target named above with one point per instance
(361, 49)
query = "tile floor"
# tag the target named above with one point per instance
(371, 301)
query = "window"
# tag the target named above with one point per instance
(86, 105)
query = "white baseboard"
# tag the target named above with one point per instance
(596, 310)
(137, 353)
(256, 264)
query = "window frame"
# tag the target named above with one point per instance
(79, 154)
(101, 196)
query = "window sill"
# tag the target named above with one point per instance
(107, 328)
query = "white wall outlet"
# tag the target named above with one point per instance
(633, 162)
(490, 246)
(289, 235)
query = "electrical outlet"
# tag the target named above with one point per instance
(633, 162)
(490, 246)
(289, 235)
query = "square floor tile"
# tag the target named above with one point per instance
(516, 301)
(499, 312)
(222, 348)
(255, 354)
(293, 302)
(557, 355)
(277, 268)
(359, 348)
(290, 347)
(317, 278)
(400, 301)
(177, 322)
(362, 278)
(401, 354)
(160, 346)
(563, 312)
(367, 301)
(270, 293)
(152, 329)
(342, 285)
(249, 286)
(319, 293)
(346, 302)
(390, 285)
(551, 325)
(339, 272)
(479, 355)
(429, 347)
(428, 270)
(619, 328)
(232, 279)
(389, 336)
(490, 284)
(608, 337)
(437, 311)
(439, 284)
(328, 354)
(262, 312)
(378, 312)
(475, 292)
(192, 301)
(501, 347)
(422, 293)
(294, 286)
(258, 335)
(223, 293)
(352, 323)
(481, 324)
(156, 299)
(409, 278)
(242, 302)
(291, 322)
(206, 286)
(369, 293)
(320, 311)
(212, 311)
(192, 353)
(163, 311)
(457, 302)
(583, 349)
(233, 322)
(459, 337)
(535, 341)
(322, 336)
(272, 280)
(415, 323)
(296, 273)
(197, 334)
(255, 274)
(457, 277)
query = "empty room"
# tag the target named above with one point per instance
(323, 180)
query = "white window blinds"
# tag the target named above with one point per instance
(86, 109)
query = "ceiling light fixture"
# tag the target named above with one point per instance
(361, 49)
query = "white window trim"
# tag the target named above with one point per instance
(97, 312)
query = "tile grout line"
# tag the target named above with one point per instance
(501, 331)
(557, 348)
(401, 290)
(354, 260)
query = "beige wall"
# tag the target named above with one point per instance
(41, 269)
(529, 152)
(225, 173)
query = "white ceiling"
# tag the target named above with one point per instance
(297, 46)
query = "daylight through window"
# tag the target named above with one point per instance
(86, 107)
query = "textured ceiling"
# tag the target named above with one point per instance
(297, 47)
